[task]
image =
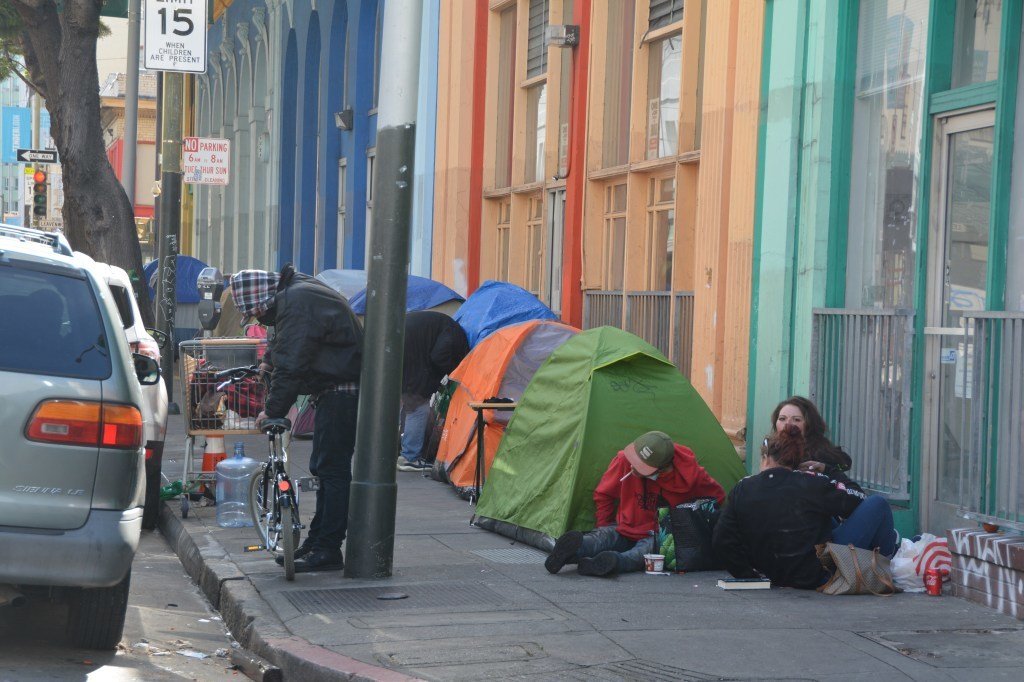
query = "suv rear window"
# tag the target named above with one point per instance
(51, 325)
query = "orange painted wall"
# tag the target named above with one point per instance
(455, 106)
(725, 208)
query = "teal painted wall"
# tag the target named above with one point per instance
(796, 208)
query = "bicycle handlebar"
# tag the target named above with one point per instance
(235, 375)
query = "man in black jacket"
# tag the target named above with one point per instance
(435, 344)
(316, 350)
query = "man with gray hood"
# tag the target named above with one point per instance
(316, 350)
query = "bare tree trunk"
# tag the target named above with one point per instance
(60, 53)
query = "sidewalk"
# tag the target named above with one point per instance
(480, 606)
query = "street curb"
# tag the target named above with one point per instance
(250, 619)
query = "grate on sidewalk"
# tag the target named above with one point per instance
(515, 555)
(361, 599)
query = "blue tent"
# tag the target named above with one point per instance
(187, 272)
(421, 294)
(498, 304)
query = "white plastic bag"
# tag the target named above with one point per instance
(904, 575)
(914, 558)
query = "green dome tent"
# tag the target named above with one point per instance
(596, 393)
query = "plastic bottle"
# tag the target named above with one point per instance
(233, 475)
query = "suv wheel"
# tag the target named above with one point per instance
(97, 615)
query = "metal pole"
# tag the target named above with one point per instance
(374, 494)
(131, 103)
(31, 218)
(170, 221)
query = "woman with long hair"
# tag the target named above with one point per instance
(821, 454)
(772, 521)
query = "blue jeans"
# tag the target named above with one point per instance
(334, 439)
(415, 429)
(869, 526)
(604, 539)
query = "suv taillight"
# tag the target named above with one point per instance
(79, 422)
(146, 347)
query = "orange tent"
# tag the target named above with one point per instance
(499, 367)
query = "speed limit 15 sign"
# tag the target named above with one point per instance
(176, 35)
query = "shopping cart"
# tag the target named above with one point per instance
(215, 407)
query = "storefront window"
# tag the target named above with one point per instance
(663, 75)
(976, 41)
(661, 219)
(888, 107)
(618, 76)
(506, 88)
(614, 236)
(536, 114)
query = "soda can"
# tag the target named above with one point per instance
(933, 582)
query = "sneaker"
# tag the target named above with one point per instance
(414, 465)
(320, 560)
(304, 549)
(565, 551)
(604, 564)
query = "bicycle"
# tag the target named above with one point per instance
(273, 500)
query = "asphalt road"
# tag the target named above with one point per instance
(171, 632)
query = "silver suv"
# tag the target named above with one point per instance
(71, 435)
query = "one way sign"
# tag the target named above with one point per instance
(37, 156)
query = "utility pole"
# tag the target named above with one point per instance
(131, 103)
(170, 220)
(374, 493)
(30, 218)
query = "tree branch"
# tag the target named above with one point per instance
(14, 66)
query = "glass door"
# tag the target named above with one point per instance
(556, 229)
(958, 256)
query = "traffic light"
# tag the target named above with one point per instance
(40, 184)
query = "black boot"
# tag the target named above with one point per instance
(604, 564)
(320, 560)
(304, 549)
(565, 551)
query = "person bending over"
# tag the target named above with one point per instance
(317, 351)
(650, 472)
(771, 522)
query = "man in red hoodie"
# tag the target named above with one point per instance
(650, 472)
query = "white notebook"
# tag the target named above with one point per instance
(745, 583)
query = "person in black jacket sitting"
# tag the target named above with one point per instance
(435, 344)
(772, 521)
(316, 350)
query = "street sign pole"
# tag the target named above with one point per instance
(131, 103)
(374, 494)
(170, 221)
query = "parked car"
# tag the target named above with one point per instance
(72, 467)
(154, 398)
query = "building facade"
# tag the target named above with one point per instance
(293, 86)
(888, 245)
(577, 172)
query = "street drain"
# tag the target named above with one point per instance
(359, 599)
(514, 555)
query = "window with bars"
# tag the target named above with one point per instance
(536, 49)
(664, 12)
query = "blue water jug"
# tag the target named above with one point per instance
(233, 476)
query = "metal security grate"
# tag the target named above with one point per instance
(663, 13)
(359, 599)
(515, 555)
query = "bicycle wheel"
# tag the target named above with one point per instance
(288, 542)
(261, 508)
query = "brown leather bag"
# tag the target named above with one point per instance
(855, 570)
